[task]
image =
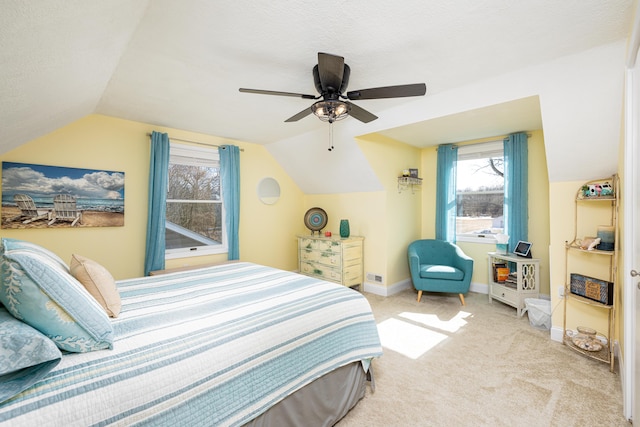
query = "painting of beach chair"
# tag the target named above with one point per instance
(28, 210)
(64, 209)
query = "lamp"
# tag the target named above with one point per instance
(331, 110)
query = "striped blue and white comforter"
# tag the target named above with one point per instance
(216, 346)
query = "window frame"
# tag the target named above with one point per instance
(197, 156)
(479, 151)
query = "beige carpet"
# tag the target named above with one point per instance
(445, 364)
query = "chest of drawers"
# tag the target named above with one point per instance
(332, 258)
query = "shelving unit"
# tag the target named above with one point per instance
(526, 277)
(587, 199)
(405, 182)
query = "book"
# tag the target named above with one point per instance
(500, 272)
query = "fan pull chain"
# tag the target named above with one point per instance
(330, 136)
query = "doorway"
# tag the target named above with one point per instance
(631, 261)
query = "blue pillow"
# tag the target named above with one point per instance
(37, 290)
(26, 356)
(14, 244)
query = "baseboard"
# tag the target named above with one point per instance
(557, 333)
(385, 291)
(624, 376)
(619, 361)
(480, 288)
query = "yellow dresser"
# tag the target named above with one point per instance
(332, 258)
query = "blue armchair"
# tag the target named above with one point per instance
(439, 266)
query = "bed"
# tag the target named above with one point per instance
(234, 344)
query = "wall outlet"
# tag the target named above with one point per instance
(561, 291)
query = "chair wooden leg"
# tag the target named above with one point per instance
(461, 299)
(419, 295)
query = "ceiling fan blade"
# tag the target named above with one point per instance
(302, 114)
(417, 89)
(273, 92)
(330, 70)
(360, 113)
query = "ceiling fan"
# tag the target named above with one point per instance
(331, 77)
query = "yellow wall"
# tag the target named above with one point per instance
(538, 210)
(402, 206)
(100, 142)
(387, 219)
(366, 215)
(539, 214)
(429, 161)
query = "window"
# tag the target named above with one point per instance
(195, 209)
(480, 192)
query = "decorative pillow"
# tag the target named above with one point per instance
(98, 281)
(26, 356)
(13, 244)
(35, 289)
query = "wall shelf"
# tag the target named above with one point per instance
(576, 247)
(407, 182)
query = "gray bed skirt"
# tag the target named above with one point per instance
(321, 403)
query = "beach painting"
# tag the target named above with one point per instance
(39, 196)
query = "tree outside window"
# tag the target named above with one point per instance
(480, 191)
(194, 219)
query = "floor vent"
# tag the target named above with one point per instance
(375, 278)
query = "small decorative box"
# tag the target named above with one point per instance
(591, 288)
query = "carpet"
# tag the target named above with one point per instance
(445, 364)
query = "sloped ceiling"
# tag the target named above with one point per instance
(180, 64)
(492, 120)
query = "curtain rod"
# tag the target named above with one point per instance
(193, 142)
(498, 139)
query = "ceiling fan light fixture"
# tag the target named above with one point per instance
(331, 110)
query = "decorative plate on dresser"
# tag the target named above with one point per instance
(315, 219)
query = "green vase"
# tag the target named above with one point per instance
(344, 228)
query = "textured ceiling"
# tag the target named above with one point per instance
(180, 64)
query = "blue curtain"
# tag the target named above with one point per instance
(158, 169)
(446, 192)
(516, 183)
(230, 173)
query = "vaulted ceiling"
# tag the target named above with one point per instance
(180, 63)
